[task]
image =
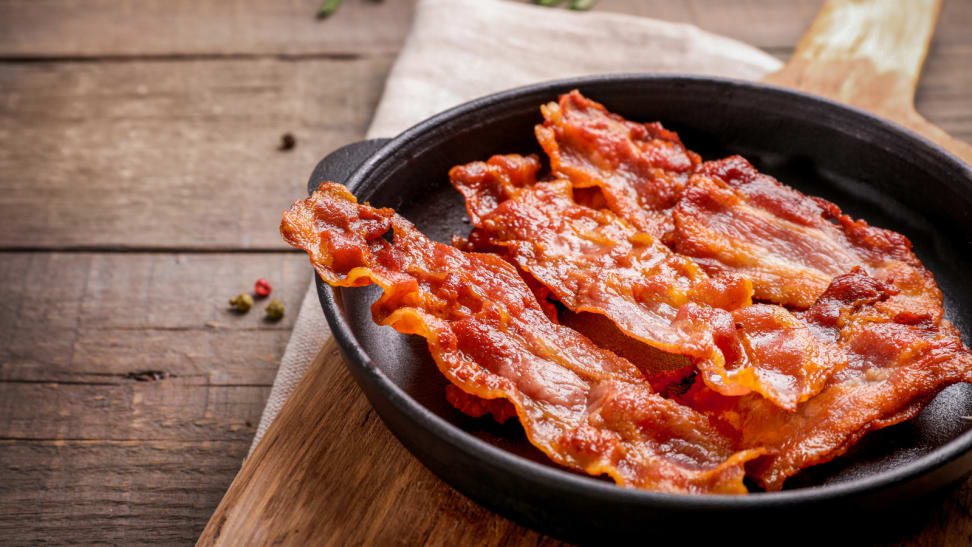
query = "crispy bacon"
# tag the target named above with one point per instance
(583, 406)
(732, 218)
(893, 369)
(500, 409)
(898, 349)
(640, 168)
(590, 259)
(725, 214)
(593, 261)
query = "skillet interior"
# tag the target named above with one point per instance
(870, 168)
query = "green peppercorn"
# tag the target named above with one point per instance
(275, 310)
(243, 302)
(581, 4)
(328, 8)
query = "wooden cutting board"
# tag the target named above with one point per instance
(868, 54)
(328, 472)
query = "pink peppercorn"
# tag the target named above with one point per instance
(262, 287)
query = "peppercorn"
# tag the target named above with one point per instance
(328, 8)
(287, 142)
(243, 302)
(275, 310)
(581, 5)
(262, 287)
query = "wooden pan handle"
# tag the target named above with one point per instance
(869, 53)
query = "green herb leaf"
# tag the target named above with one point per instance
(328, 8)
(548, 3)
(581, 4)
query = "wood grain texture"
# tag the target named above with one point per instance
(770, 24)
(163, 410)
(94, 317)
(63, 28)
(170, 155)
(201, 128)
(944, 94)
(107, 28)
(357, 483)
(76, 328)
(87, 452)
(111, 492)
(870, 55)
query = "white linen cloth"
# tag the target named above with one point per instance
(458, 50)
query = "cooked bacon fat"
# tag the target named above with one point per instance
(583, 406)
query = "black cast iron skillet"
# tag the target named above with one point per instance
(871, 168)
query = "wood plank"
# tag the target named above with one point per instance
(95, 492)
(88, 453)
(207, 131)
(95, 317)
(944, 94)
(75, 327)
(43, 28)
(169, 154)
(164, 410)
(771, 24)
(220, 355)
(766, 24)
(133, 291)
(63, 28)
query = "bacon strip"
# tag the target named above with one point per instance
(593, 261)
(583, 406)
(732, 218)
(724, 214)
(894, 368)
(641, 168)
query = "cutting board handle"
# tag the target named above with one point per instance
(864, 52)
(869, 54)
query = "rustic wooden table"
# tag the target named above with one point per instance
(141, 186)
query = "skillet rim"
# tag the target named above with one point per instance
(580, 485)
